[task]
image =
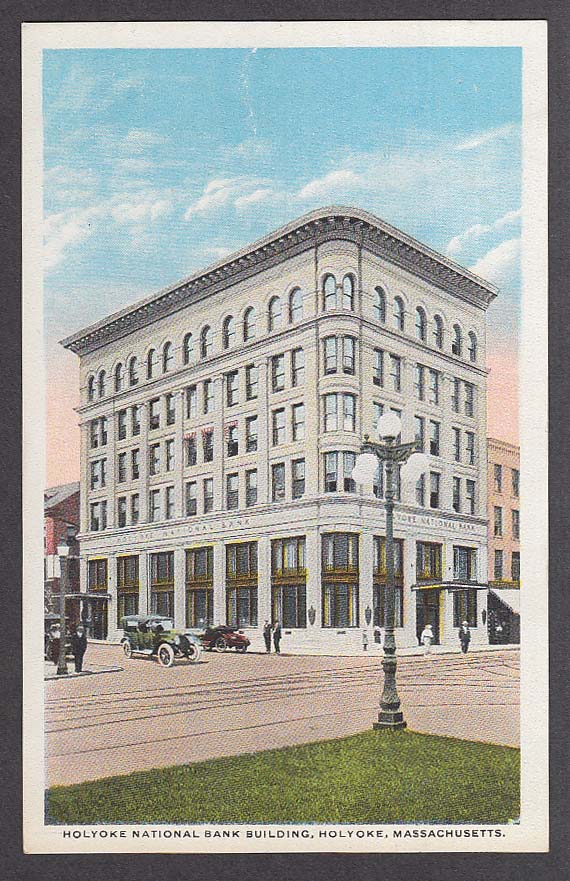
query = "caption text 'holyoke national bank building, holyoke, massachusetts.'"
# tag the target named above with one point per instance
(220, 421)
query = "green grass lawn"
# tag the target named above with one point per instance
(374, 777)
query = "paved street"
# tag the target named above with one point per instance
(149, 717)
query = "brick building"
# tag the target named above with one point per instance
(503, 469)
(61, 514)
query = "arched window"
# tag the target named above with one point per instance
(102, 384)
(421, 324)
(380, 305)
(228, 332)
(249, 324)
(151, 363)
(133, 371)
(438, 331)
(274, 313)
(457, 343)
(398, 313)
(295, 305)
(348, 293)
(91, 388)
(188, 348)
(329, 293)
(472, 347)
(206, 342)
(119, 377)
(167, 357)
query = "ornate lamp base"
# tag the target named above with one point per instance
(387, 720)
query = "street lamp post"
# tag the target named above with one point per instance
(63, 549)
(392, 454)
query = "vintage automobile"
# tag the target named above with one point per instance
(221, 637)
(155, 636)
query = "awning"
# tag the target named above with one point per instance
(449, 585)
(509, 596)
(100, 595)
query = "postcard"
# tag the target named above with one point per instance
(285, 446)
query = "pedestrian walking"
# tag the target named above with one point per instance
(464, 636)
(55, 640)
(79, 647)
(267, 636)
(277, 637)
(426, 638)
(364, 640)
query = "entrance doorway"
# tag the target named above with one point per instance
(427, 612)
(99, 624)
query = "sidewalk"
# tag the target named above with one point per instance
(50, 671)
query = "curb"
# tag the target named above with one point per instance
(73, 675)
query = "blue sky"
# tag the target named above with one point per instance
(159, 162)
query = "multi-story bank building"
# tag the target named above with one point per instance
(220, 422)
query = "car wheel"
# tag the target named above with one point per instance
(220, 645)
(127, 649)
(193, 652)
(165, 655)
(241, 649)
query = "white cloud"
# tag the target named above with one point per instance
(251, 148)
(137, 140)
(457, 243)
(499, 264)
(330, 185)
(142, 210)
(261, 195)
(64, 229)
(220, 191)
(502, 131)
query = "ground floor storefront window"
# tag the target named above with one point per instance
(98, 620)
(241, 584)
(340, 579)
(127, 586)
(162, 584)
(242, 606)
(380, 605)
(289, 604)
(127, 604)
(199, 586)
(199, 607)
(288, 582)
(465, 607)
(340, 605)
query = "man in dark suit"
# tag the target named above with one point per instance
(267, 636)
(277, 637)
(79, 647)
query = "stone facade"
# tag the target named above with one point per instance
(330, 293)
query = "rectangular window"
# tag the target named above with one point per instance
(396, 372)
(298, 478)
(208, 445)
(433, 386)
(277, 373)
(278, 427)
(348, 355)
(340, 552)
(251, 434)
(469, 399)
(288, 604)
(135, 464)
(232, 445)
(379, 603)
(498, 521)
(121, 512)
(340, 604)
(298, 421)
(170, 454)
(421, 491)
(428, 561)
(515, 475)
(251, 382)
(456, 503)
(122, 424)
(378, 410)
(348, 463)
(465, 607)
(378, 374)
(241, 598)
(97, 474)
(455, 395)
(250, 488)
(434, 438)
(154, 505)
(288, 557)
(154, 459)
(170, 409)
(297, 367)
(349, 412)
(191, 502)
(278, 482)
(516, 524)
(498, 478)
(340, 595)
(127, 587)
(199, 587)
(456, 444)
(498, 566)
(232, 395)
(121, 467)
(97, 574)
(470, 495)
(154, 414)
(136, 420)
(94, 434)
(232, 492)
(162, 584)
(434, 480)
(419, 381)
(169, 502)
(330, 355)
(191, 402)
(135, 508)
(464, 564)
(208, 395)
(516, 566)
(208, 488)
(331, 472)
(470, 447)
(190, 449)
(331, 412)
(380, 557)
(103, 430)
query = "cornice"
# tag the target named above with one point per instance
(302, 234)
